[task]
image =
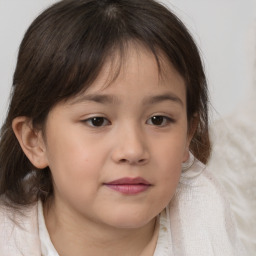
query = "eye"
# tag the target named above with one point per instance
(159, 120)
(97, 121)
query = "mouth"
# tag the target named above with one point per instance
(129, 186)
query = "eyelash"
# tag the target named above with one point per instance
(102, 121)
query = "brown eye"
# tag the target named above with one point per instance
(159, 120)
(97, 121)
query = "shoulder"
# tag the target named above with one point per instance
(201, 197)
(198, 187)
(18, 231)
(200, 215)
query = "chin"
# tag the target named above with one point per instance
(130, 221)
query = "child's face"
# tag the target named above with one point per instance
(115, 152)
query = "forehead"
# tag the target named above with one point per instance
(136, 69)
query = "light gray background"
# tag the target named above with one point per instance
(223, 29)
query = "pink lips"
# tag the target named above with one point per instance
(129, 186)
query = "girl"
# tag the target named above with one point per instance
(108, 110)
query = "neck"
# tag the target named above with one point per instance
(77, 236)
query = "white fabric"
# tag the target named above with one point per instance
(19, 233)
(47, 248)
(233, 163)
(196, 223)
(200, 217)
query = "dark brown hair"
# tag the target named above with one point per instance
(63, 52)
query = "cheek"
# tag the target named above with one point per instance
(170, 150)
(169, 155)
(73, 163)
(167, 176)
(169, 181)
(170, 174)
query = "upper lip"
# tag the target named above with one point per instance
(129, 181)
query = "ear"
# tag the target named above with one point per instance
(31, 141)
(192, 127)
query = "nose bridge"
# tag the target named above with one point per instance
(131, 146)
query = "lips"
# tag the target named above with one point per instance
(129, 186)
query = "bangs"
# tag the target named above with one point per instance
(72, 66)
(70, 49)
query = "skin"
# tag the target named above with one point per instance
(85, 215)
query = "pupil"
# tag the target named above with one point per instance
(157, 120)
(97, 121)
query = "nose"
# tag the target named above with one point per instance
(130, 147)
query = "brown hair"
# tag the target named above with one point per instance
(63, 52)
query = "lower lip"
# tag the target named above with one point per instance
(129, 189)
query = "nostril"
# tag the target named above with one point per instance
(140, 161)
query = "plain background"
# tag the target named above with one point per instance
(223, 30)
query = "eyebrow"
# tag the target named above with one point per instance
(104, 99)
(111, 99)
(163, 97)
